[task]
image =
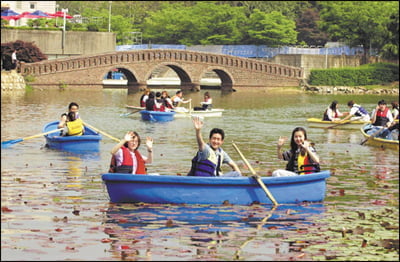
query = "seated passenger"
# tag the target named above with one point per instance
(159, 103)
(206, 104)
(72, 107)
(73, 126)
(302, 157)
(210, 156)
(126, 157)
(332, 113)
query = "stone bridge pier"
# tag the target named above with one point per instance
(235, 73)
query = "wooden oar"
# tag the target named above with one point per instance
(101, 132)
(135, 110)
(372, 136)
(8, 143)
(341, 123)
(255, 176)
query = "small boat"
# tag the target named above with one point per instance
(182, 112)
(378, 141)
(167, 189)
(88, 142)
(157, 116)
(317, 122)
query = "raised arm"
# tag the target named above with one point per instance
(198, 124)
(149, 145)
(127, 137)
(281, 142)
(306, 145)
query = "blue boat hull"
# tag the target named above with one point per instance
(157, 116)
(89, 142)
(165, 189)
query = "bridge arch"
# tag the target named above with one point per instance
(137, 66)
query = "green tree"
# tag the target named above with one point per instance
(272, 29)
(202, 23)
(358, 22)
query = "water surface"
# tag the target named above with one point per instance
(55, 207)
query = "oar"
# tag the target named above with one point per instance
(101, 132)
(129, 113)
(341, 123)
(255, 176)
(8, 143)
(372, 136)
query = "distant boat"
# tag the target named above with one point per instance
(88, 142)
(317, 122)
(167, 189)
(157, 116)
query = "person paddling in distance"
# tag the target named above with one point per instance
(177, 99)
(332, 113)
(206, 103)
(210, 156)
(126, 157)
(72, 107)
(356, 112)
(302, 157)
(381, 119)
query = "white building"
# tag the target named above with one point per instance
(28, 6)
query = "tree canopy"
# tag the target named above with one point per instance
(372, 24)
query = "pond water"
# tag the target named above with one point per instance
(55, 206)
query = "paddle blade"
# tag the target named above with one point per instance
(6, 144)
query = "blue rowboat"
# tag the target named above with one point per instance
(157, 116)
(166, 189)
(88, 142)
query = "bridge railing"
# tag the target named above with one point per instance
(123, 57)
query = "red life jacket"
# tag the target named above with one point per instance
(381, 117)
(128, 161)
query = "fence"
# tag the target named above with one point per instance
(253, 51)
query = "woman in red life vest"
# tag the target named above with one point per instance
(126, 156)
(302, 157)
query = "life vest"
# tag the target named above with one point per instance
(381, 117)
(207, 167)
(75, 128)
(361, 111)
(304, 164)
(127, 163)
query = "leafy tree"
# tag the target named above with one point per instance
(272, 29)
(307, 28)
(290, 9)
(203, 23)
(358, 22)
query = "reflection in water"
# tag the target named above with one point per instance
(206, 231)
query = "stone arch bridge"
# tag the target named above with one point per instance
(190, 66)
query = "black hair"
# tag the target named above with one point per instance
(382, 102)
(71, 116)
(217, 131)
(137, 135)
(72, 104)
(333, 105)
(351, 103)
